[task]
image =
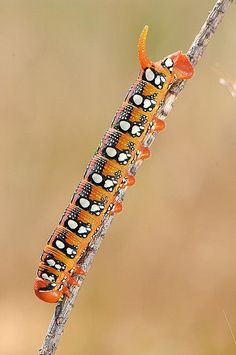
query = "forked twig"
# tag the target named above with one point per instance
(195, 53)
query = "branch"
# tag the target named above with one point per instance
(195, 53)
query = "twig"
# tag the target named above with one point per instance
(195, 53)
(229, 326)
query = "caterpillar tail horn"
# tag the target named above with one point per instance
(142, 51)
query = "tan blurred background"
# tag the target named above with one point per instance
(164, 281)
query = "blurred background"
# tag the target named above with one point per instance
(163, 281)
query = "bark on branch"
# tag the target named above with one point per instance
(195, 52)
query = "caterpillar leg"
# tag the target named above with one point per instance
(114, 208)
(117, 208)
(79, 271)
(144, 153)
(158, 125)
(66, 291)
(70, 279)
(130, 180)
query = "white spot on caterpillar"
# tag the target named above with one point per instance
(97, 178)
(94, 208)
(47, 277)
(149, 74)
(44, 276)
(82, 230)
(135, 130)
(84, 202)
(168, 63)
(158, 80)
(111, 152)
(51, 262)
(72, 224)
(137, 99)
(60, 244)
(69, 251)
(147, 103)
(124, 125)
(108, 184)
(122, 157)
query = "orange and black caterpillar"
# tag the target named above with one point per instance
(107, 172)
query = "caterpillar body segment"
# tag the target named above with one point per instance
(91, 198)
(108, 172)
(118, 147)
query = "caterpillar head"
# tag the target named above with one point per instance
(176, 66)
(47, 291)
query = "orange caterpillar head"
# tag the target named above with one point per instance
(49, 291)
(178, 64)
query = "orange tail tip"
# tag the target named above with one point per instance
(183, 68)
(40, 289)
(142, 51)
(48, 296)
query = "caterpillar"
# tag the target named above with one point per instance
(108, 172)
